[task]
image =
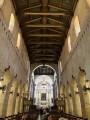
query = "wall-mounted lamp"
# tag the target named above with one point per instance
(1, 79)
(3, 88)
(70, 95)
(17, 94)
(86, 86)
(11, 92)
(76, 91)
(61, 98)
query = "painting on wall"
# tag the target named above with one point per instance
(43, 96)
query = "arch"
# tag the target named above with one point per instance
(62, 96)
(26, 94)
(84, 94)
(53, 66)
(88, 1)
(61, 92)
(17, 104)
(66, 101)
(77, 98)
(1, 3)
(3, 92)
(45, 65)
(77, 26)
(21, 100)
(69, 44)
(18, 40)
(11, 97)
(11, 23)
(69, 94)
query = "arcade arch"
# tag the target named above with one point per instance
(84, 93)
(11, 97)
(18, 96)
(77, 98)
(69, 94)
(4, 83)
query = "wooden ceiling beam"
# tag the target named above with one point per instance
(43, 50)
(55, 30)
(44, 59)
(33, 20)
(43, 43)
(57, 21)
(59, 8)
(42, 25)
(51, 48)
(44, 55)
(34, 30)
(46, 13)
(38, 46)
(28, 8)
(44, 35)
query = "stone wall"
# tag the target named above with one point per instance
(17, 59)
(77, 62)
(12, 59)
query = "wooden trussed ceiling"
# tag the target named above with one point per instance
(44, 70)
(44, 25)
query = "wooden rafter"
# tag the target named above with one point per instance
(36, 50)
(28, 8)
(42, 25)
(55, 30)
(57, 21)
(51, 48)
(45, 58)
(44, 61)
(37, 46)
(47, 13)
(44, 35)
(33, 20)
(59, 8)
(42, 43)
(35, 55)
(46, 52)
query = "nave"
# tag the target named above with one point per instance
(45, 59)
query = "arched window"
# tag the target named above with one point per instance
(1, 3)
(77, 26)
(60, 66)
(69, 44)
(88, 1)
(18, 40)
(11, 23)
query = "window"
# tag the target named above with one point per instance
(60, 66)
(88, 1)
(11, 23)
(18, 40)
(77, 26)
(1, 3)
(69, 44)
